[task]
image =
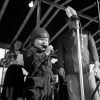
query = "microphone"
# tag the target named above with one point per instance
(44, 46)
(74, 18)
(52, 51)
(48, 49)
(70, 12)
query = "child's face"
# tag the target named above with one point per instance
(41, 43)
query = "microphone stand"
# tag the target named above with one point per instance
(80, 61)
(2, 76)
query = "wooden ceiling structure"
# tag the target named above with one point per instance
(17, 20)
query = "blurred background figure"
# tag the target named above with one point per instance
(14, 77)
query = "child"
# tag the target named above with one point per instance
(38, 64)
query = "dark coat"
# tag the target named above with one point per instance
(38, 65)
(68, 52)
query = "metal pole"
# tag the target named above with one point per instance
(80, 63)
(98, 13)
(2, 77)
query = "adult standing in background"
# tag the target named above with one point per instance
(14, 78)
(68, 61)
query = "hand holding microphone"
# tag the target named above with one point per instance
(49, 49)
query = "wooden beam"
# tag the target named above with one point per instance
(96, 33)
(25, 21)
(49, 19)
(55, 4)
(56, 12)
(4, 46)
(97, 41)
(3, 8)
(88, 7)
(98, 48)
(87, 17)
(59, 32)
(89, 23)
(63, 8)
(47, 12)
(38, 14)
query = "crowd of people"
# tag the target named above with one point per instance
(30, 76)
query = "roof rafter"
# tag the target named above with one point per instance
(47, 12)
(88, 7)
(25, 21)
(3, 8)
(87, 17)
(58, 33)
(56, 12)
(80, 14)
(55, 4)
(43, 18)
(38, 14)
(96, 33)
(97, 41)
(98, 50)
(66, 2)
(89, 23)
(62, 7)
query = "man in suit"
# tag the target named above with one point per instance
(68, 61)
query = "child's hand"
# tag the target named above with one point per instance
(49, 49)
(62, 72)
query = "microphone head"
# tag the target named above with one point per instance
(44, 46)
(74, 18)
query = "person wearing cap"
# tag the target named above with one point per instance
(37, 62)
(68, 61)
